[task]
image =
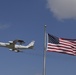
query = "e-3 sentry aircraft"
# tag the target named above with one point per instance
(17, 46)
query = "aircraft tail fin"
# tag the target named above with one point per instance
(31, 45)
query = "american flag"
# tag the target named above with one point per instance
(61, 45)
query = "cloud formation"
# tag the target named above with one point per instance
(63, 9)
(4, 26)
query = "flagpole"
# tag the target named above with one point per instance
(44, 55)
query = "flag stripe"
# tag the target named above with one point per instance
(60, 45)
(58, 48)
(69, 53)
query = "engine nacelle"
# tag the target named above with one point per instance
(10, 41)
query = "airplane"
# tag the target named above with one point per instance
(17, 46)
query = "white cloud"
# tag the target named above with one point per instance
(63, 9)
(4, 26)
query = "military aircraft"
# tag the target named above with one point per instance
(16, 45)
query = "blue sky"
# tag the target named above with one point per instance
(25, 19)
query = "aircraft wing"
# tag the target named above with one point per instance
(18, 41)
